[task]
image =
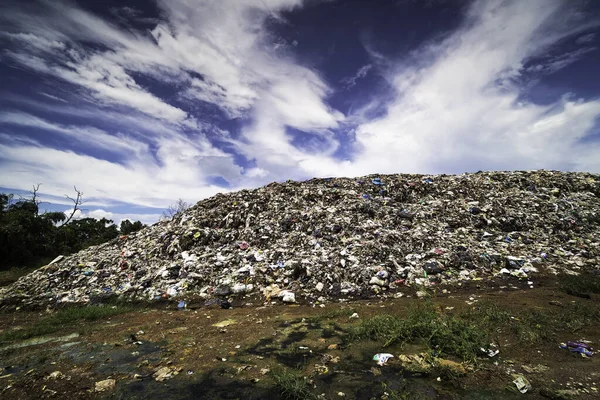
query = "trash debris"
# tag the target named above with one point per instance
(354, 316)
(491, 352)
(105, 385)
(225, 323)
(578, 347)
(181, 305)
(339, 238)
(535, 369)
(288, 297)
(521, 383)
(164, 373)
(382, 358)
(56, 375)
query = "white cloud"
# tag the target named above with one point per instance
(452, 115)
(149, 185)
(92, 137)
(456, 104)
(53, 97)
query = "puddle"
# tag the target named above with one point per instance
(113, 359)
(207, 386)
(40, 340)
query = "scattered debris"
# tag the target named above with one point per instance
(491, 352)
(56, 375)
(225, 323)
(164, 373)
(521, 383)
(578, 347)
(537, 369)
(382, 358)
(105, 385)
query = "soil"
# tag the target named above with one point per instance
(227, 353)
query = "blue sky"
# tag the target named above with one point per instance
(140, 103)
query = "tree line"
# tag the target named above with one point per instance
(29, 238)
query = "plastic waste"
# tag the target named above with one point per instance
(288, 297)
(491, 352)
(578, 347)
(382, 358)
(105, 385)
(521, 383)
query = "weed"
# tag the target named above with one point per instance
(292, 385)
(443, 333)
(534, 324)
(63, 318)
(580, 285)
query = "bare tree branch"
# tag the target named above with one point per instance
(174, 210)
(34, 192)
(77, 202)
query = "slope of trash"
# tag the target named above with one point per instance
(341, 238)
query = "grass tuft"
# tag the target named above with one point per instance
(443, 333)
(580, 285)
(536, 324)
(291, 385)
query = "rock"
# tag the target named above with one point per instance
(105, 385)
(319, 287)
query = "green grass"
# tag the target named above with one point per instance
(580, 285)
(291, 385)
(66, 317)
(444, 334)
(535, 324)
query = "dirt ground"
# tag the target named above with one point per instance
(207, 352)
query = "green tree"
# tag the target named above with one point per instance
(128, 227)
(28, 238)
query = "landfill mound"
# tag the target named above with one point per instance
(339, 238)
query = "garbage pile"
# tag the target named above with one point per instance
(339, 238)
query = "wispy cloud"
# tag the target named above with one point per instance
(452, 105)
(361, 73)
(453, 114)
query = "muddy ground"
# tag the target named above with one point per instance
(262, 351)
